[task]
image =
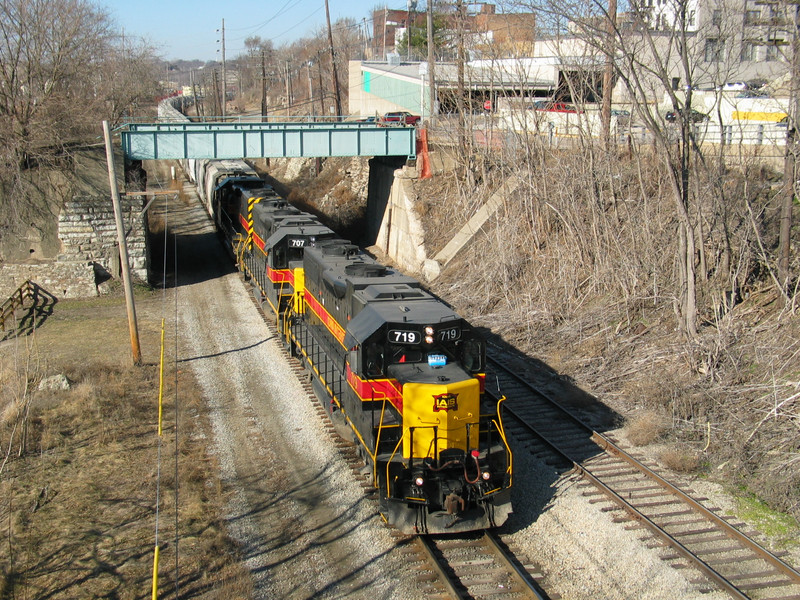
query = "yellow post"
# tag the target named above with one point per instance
(155, 574)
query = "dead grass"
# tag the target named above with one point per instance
(645, 429)
(680, 459)
(78, 509)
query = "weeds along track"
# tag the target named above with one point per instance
(478, 566)
(691, 534)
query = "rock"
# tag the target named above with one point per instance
(55, 382)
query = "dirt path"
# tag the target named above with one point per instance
(301, 519)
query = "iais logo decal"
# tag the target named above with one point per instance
(445, 402)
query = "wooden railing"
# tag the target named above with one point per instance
(15, 301)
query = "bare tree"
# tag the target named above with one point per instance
(62, 71)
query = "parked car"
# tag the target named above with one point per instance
(550, 106)
(734, 86)
(695, 117)
(401, 117)
(367, 120)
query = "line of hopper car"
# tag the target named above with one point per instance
(398, 371)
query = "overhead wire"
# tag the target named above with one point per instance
(175, 371)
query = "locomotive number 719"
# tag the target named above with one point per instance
(450, 334)
(399, 336)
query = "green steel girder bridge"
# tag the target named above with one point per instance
(171, 140)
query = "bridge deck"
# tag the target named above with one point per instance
(265, 140)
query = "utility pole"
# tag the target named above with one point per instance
(216, 93)
(385, 18)
(288, 88)
(224, 73)
(338, 97)
(321, 89)
(791, 155)
(310, 88)
(462, 135)
(431, 78)
(123, 248)
(194, 93)
(263, 85)
(605, 111)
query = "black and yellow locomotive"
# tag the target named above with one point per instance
(398, 371)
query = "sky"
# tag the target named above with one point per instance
(188, 30)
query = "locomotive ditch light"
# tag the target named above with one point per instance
(486, 476)
(419, 481)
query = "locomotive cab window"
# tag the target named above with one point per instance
(405, 354)
(472, 355)
(373, 354)
(279, 258)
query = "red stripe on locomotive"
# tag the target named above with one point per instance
(376, 389)
(280, 275)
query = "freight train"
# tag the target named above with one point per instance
(397, 370)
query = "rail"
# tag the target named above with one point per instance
(720, 573)
(17, 300)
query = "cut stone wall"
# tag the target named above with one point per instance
(89, 255)
(61, 279)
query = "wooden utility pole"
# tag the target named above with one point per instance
(310, 88)
(460, 90)
(608, 85)
(321, 90)
(385, 18)
(224, 73)
(216, 93)
(791, 155)
(194, 93)
(263, 84)
(123, 248)
(337, 93)
(431, 78)
(288, 88)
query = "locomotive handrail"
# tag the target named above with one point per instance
(374, 456)
(502, 431)
(388, 464)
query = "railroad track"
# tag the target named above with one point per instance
(478, 566)
(696, 536)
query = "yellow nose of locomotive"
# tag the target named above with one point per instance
(437, 417)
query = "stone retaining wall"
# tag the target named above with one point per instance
(89, 255)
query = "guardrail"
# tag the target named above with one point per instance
(16, 300)
(38, 309)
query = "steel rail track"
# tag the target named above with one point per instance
(471, 567)
(638, 489)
